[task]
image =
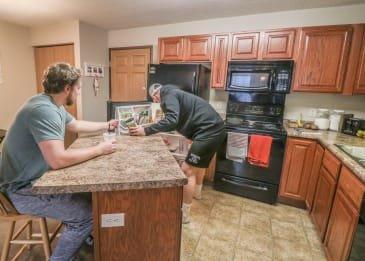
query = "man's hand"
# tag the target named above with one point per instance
(113, 124)
(107, 147)
(137, 131)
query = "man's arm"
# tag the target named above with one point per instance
(169, 123)
(57, 157)
(89, 126)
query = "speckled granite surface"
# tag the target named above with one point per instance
(138, 163)
(328, 139)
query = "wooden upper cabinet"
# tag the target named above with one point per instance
(322, 58)
(198, 48)
(360, 73)
(313, 178)
(278, 44)
(245, 46)
(296, 171)
(220, 61)
(171, 48)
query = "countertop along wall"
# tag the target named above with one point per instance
(18, 70)
(296, 103)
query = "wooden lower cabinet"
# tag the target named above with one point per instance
(341, 228)
(344, 216)
(296, 171)
(209, 173)
(323, 200)
(313, 178)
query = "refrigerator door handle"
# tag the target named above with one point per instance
(193, 85)
(244, 185)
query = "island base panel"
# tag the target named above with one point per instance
(152, 224)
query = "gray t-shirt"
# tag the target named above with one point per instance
(21, 160)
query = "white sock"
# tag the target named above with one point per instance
(186, 213)
(198, 191)
(186, 207)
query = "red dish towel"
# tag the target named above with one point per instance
(259, 150)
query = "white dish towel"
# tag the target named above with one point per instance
(237, 144)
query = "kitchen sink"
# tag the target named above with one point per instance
(355, 152)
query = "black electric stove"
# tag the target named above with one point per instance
(253, 113)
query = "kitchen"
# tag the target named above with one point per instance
(320, 187)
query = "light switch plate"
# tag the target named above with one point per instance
(112, 220)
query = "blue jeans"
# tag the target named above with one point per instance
(73, 210)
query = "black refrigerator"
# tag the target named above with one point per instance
(193, 78)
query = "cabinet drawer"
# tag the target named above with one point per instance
(352, 187)
(331, 163)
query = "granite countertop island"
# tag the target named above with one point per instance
(328, 139)
(138, 163)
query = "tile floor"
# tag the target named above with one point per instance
(227, 227)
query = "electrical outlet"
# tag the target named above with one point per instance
(112, 220)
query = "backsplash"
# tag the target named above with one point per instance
(305, 103)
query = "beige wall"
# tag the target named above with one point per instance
(296, 103)
(94, 50)
(17, 61)
(60, 33)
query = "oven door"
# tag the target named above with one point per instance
(250, 80)
(245, 170)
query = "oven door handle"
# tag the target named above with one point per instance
(244, 185)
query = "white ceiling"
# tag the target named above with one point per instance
(120, 14)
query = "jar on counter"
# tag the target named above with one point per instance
(336, 118)
(322, 119)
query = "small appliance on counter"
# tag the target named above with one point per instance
(336, 119)
(352, 126)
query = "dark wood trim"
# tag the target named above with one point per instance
(124, 48)
(292, 202)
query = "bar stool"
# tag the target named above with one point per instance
(10, 214)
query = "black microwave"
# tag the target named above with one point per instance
(260, 76)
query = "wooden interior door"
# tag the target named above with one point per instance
(46, 56)
(129, 74)
(322, 59)
(245, 46)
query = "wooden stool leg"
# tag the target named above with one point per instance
(45, 238)
(29, 232)
(6, 246)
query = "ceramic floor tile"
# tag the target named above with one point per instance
(286, 214)
(246, 255)
(189, 241)
(288, 231)
(306, 221)
(313, 239)
(255, 241)
(213, 250)
(228, 213)
(318, 256)
(257, 207)
(221, 230)
(230, 200)
(255, 221)
(288, 250)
